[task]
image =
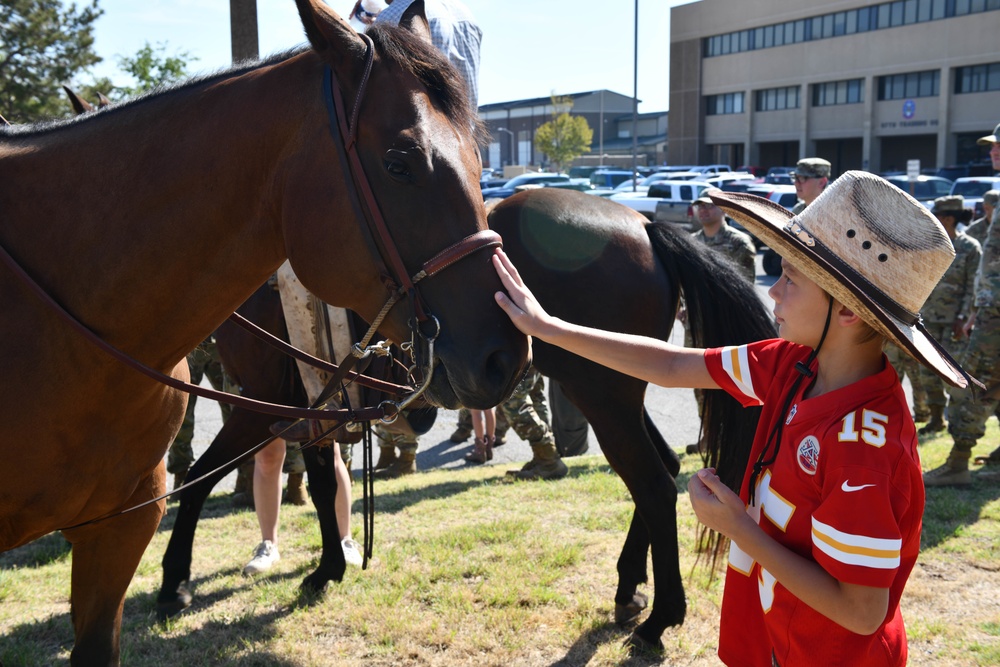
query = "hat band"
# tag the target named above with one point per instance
(867, 288)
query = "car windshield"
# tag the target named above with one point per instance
(923, 189)
(971, 188)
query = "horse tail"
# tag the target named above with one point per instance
(723, 308)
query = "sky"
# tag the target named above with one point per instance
(531, 48)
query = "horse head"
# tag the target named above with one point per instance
(404, 111)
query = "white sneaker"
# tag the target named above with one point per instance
(264, 556)
(352, 552)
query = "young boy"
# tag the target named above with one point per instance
(826, 527)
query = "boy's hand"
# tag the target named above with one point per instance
(715, 504)
(519, 303)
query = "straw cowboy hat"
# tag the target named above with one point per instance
(872, 247)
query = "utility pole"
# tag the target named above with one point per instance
(243, 29)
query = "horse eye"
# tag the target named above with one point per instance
(397, 169)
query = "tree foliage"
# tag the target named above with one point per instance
(151, 68)
(565, 137)
(43, 44)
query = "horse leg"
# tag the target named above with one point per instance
(243, 429)
(615, 410)
(105, 556)
(323, 489)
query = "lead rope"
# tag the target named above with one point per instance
(804, 370)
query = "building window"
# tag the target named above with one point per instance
(728, 103)
(776, 99)
(838, 92)
(863, 19)
(977, 78)
(909, 85)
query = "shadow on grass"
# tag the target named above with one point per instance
(43, 551)
(218, 641)
(949, 510)
(584, 649)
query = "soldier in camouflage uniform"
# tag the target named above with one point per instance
(717, 234)
(202, 361)
(981, 226)
(968, 412)
(810, 178)
(946, 309)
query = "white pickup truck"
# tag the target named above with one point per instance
(664, 200)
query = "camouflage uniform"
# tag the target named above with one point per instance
(202, 361)
(968, 414)
(907, 366)
(524, 414)
(734, 244)
(979, 228)
(949, 303)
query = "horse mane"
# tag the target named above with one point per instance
(159, 92)
(425, 62)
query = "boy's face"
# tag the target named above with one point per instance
(800, 306)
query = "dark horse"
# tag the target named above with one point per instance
(152, 221)
(588, 261)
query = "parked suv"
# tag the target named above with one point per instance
(674, 202)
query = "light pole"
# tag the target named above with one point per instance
(635, 100)
(504, 129)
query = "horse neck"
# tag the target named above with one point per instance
(171, 217)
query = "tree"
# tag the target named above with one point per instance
(43, 44)
(152, 68)
(565, 137)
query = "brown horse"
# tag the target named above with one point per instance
(153, 220)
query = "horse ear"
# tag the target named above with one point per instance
(102, 101)
(414, 19)
(80, 105)
(325, 29)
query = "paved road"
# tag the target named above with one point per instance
(673, 410)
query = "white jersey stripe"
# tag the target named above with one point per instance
(851, 549)
(737, 366)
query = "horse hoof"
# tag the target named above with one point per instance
(168, 605)
(628, 614)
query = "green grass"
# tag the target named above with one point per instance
(472, 569)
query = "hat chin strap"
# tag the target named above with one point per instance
(803, 367)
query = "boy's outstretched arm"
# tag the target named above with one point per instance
(645, 358)
(860, 609)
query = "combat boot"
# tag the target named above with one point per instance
(295, 491)
(386, 456)
(936, 422)
(405, 464)
(544, 464)
(461, 434)
(954, 472)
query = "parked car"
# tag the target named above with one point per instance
(956, 171)
(973, 188)
(673, 202)
(609, 178)
(719, 180)
(783, 195)
(584, 171)
(511, 186)
(712, 169)
(758, 172)
(925, 189)
(779, 175)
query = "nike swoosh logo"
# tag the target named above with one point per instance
(847, 488)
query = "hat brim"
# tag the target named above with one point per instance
(987, 140)
(767, 221)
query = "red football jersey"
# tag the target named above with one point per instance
(845, 491)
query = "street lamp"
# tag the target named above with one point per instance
(504, 129)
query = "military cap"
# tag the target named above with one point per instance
(990, 138)
(991, 197)
(949, 204)
(812, 167)
(706, 197)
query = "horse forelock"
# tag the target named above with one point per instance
(434, 71)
